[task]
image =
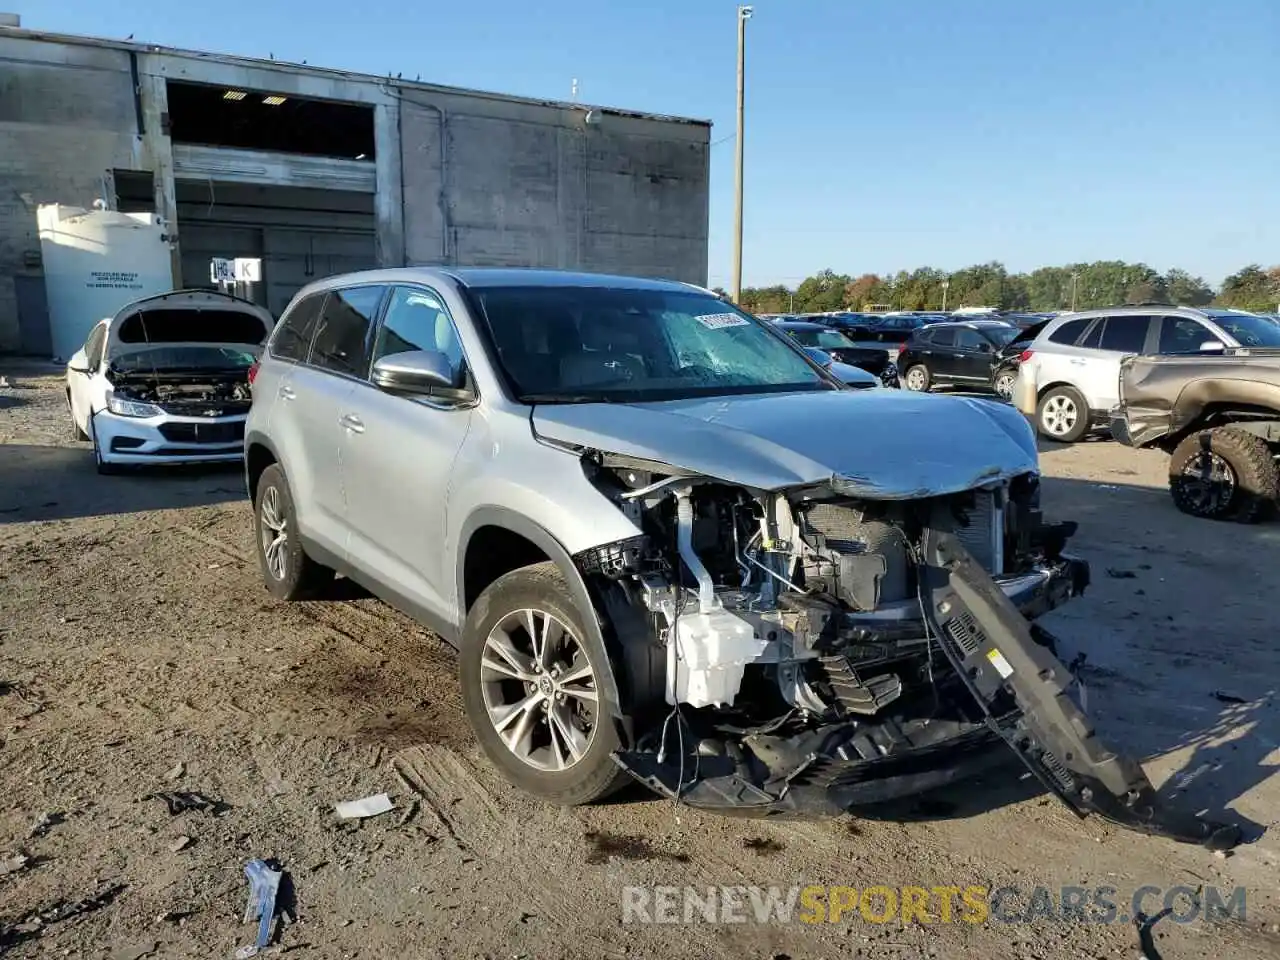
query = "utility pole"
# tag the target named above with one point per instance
(1075, 278)
(945, 285)
(744, 14)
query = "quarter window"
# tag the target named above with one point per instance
(417, 320)
(342, 337)
(293, 337)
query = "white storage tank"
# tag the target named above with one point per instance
(96, 261)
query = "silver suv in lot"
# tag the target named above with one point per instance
(669, 545)
(1069, 376)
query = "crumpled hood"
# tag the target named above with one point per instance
(880, 444)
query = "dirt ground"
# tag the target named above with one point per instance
(139, 653)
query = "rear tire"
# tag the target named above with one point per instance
(287, 571)
(553, 742)
(1062, 415)
(917, 378)
(1224, 474)
(1003, 385)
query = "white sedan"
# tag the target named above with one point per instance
(166, 380)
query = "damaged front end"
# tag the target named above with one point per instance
(809, 650)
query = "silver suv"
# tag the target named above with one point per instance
(670, 545)
(1069, 376)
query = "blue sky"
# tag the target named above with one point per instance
(881, 134)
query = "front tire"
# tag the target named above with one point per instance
(104, 468)
(76, 433)
(1063, 415)
(917, 378)
(534, 685)
(1224, 474)
(287, 571)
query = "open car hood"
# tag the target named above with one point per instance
(881, 444)
(188, 317)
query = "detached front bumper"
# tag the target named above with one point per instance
(168, 439)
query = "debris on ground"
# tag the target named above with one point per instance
(14, 864)
(1227, 697)
(177, 772)
(180, 801)
(45, 823)
(180, 843)
(264, 886)
(409, 813)
(1115, 573)
(134, 951)
(33, 924)
(372, 806)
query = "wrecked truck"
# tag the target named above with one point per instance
(670, 547)
(1216, 412)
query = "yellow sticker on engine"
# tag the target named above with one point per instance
(1000, 663)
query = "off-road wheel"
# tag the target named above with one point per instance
(287, 571)
(917, 378)
(535, 690)
(1224, 474)
(1062, 415)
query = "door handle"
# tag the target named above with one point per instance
(286, 393)
(1078, 362)
(350, 421)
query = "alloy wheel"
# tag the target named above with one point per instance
(915, 379)
(275, 533)
(1060, 415)
(1004, 386)
(1208, 483)
(539, 689)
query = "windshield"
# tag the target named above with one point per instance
(1248, 330)
(585, 344)
(183, 358)
(829, 339)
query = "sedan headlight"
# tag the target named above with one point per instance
(132, 408)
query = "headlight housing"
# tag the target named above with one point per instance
(132, 408)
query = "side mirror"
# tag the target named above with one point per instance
(421, 372)
(1212, 345)
(79, 362)
(820, 357)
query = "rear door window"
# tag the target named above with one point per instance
(342, 337)
(1125, 334)
(293, 335)
(943, 337)
(1069, 332)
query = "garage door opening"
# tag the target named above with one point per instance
(261, 120)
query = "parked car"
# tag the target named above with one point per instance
(874, 360)
(166, 380)
(878, 329)
(1068, 381)
(846, 373)
(669, 545)
(1217, 414)
(964, 353)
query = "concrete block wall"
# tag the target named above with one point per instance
(520, 184)
(66, 121)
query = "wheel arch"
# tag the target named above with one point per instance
(486, 526)
(258, 455)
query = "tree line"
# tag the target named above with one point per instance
(1080, 286)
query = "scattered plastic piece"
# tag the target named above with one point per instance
(1228, 697)
(365, 807)
(264, 884)
(180, 843)
(180, 801)
(14, 864)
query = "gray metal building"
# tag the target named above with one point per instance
(318, 171)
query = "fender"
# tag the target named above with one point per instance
(1198, 394)
(258, 438)
(556, 553)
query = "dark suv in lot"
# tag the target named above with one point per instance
(968, 353)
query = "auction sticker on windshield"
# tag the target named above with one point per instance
(718, 321)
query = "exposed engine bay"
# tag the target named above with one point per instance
(806, 650)
(195, 393)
